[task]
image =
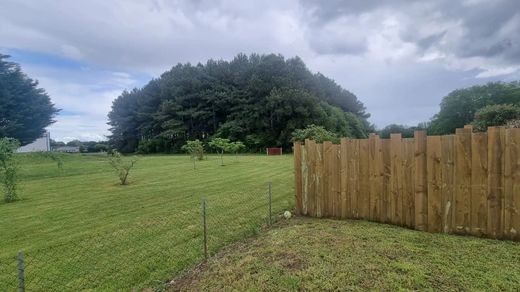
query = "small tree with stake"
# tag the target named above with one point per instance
(8, 168)
(235, 147)
(122, 166)
(195, 149)
(222, 145)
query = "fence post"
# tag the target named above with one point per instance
(205, 228)
(270, 201)
(21, 274)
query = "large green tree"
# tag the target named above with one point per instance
(458, 108)
(258, 99)
(25, 109)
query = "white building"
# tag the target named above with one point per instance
(67, 149)
(41, 144)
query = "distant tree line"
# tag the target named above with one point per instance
(258, 99)
(492, 104)
(84, 146)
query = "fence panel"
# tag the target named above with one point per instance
(353, 157)
(376, 177)
(447, 173)
(387, 171)
(343, 176)
(478, 183)
(421, 186)
(462, 180)
(467, 183)
(495, 182)
(512, 222)
(433, 166)
(409, 187)
(363, 193)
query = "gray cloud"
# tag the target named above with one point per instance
(399, 57)
(464, 29)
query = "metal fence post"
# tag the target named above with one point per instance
(21, 274)
(205, 226)
(270, 201)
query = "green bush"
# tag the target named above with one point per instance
(513, 124)
(221, 145)
(235, 147)
(195, 149)
(495, 115)
(9, 168)
(317, 133)
(121, 165)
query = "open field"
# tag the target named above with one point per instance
(79, 229)
(326, 255)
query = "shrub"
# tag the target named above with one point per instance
(235, 147)
(495, 115)
(221, 145)
(195, 149)
(121, 165)
(513, 124)
(317, 133)
(9, 168)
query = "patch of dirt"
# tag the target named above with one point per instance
(290, 261)
(180, 283)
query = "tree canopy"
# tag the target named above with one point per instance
(257, 99)
(25, 109)
(317, 133)
(459, 107)
(495, 115)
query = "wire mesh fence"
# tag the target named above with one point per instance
(146, 252)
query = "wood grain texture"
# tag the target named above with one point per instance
(479, 179)
(364, 190)
(344, 177)
(433, 166)
(386, 211)
(335, 190)
(376, 177)
(462, 181)
(512, 184)
(447, 173)
(353, 170)
(396, 178)
(421, 186)
(495, 182)
(408, 182)
(319, 169)
(328, 208)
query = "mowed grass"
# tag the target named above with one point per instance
(80, 229)
(306, 254)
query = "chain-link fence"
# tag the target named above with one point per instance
(146, 252)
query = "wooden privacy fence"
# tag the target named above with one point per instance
(467, 183)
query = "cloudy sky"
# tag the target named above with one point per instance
(399, 57)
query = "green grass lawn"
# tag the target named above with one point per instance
(79, 229)
(326, 255)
